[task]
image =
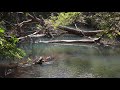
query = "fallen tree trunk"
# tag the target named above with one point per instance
(95, 40)
(32, 35)
(80, 32)
(40, 20)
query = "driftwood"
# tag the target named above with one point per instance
(42, 60)
(35, 19)
(39, 61)
(31, 20)
(32, 35)
(20, 26)
(95, 40)
(80, 32)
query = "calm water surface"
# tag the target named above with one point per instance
(72, 61)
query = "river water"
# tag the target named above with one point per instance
(72, 60)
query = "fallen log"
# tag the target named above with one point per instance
(40, 20)
(32, 35)
(80, 32)
(95, 40)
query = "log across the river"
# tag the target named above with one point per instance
(95, 40)
(80, 32)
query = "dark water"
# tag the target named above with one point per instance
(72, 61)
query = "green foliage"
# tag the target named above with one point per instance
(8, 48)
(98, 20)
(1, 30)
(64, 18)
(103, 21)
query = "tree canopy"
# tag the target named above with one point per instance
(16, 24)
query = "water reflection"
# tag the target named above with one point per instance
(73, 61)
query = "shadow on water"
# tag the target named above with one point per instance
(72, 61)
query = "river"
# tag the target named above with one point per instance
(72, 61)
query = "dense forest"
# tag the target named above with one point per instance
(18, 27)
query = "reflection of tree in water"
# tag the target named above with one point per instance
(108, 50)
(78, 64)
(106, 66)
(80, 59)
(116, 50)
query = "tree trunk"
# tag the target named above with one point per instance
(94, 40)
(80, 32)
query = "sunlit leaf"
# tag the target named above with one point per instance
(1, 30)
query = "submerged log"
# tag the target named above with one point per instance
(42, 60)
(95, 40)
(80, 32)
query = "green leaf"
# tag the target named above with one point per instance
(1, 30)
(1, 42)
